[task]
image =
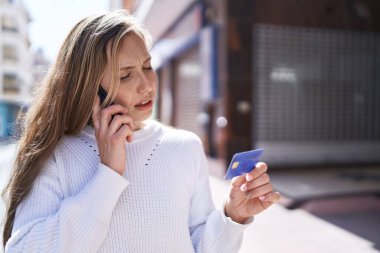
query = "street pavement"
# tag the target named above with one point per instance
(293, 231)
(275, 230)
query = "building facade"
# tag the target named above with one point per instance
(16, 77)
(296, 78)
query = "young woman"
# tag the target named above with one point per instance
(102, 177)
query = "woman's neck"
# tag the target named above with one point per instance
(138, 125)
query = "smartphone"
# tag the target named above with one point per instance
(243, 162)
(102, 94)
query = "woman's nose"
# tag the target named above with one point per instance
(146, 85)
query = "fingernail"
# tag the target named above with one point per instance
(243, 188)
(249, 177)
(262, 197)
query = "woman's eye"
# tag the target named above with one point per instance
(148, 68)
(125, 77)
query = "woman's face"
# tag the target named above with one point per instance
(138, 82)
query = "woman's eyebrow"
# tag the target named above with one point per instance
(131, 67)
(126, 68)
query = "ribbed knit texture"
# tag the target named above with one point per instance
(162, 203)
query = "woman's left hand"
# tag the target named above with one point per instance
(250, 194)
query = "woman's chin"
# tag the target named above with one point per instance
(140, 118)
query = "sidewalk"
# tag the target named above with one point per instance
(290, 231)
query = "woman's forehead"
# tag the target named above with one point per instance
(132, 42)
(133, 50)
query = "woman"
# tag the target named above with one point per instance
(102, 177)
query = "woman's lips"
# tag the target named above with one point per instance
(144, 107)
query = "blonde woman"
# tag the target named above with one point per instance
(102, 177)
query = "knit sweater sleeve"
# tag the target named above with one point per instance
(211, 231)
(45, 221)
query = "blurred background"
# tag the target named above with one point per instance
(300, 79)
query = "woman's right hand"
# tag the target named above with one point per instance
(111, 134)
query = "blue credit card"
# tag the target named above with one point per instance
(244, 162)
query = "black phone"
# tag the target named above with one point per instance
(102, 94)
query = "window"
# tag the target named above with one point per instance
(9, 24)
(11, 83)
(10, 53)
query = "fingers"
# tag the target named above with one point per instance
(238, 181)
(118, 121)
(96, 113)
(107, 113)
(271, 197)
(125, 132)
(261, 180)
(255, 173)
(259, 191)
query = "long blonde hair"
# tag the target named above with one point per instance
(63, 103)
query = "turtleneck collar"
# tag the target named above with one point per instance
(150, 128)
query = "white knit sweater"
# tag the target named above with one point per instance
(162, 203)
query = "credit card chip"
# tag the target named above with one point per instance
(235, 165)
